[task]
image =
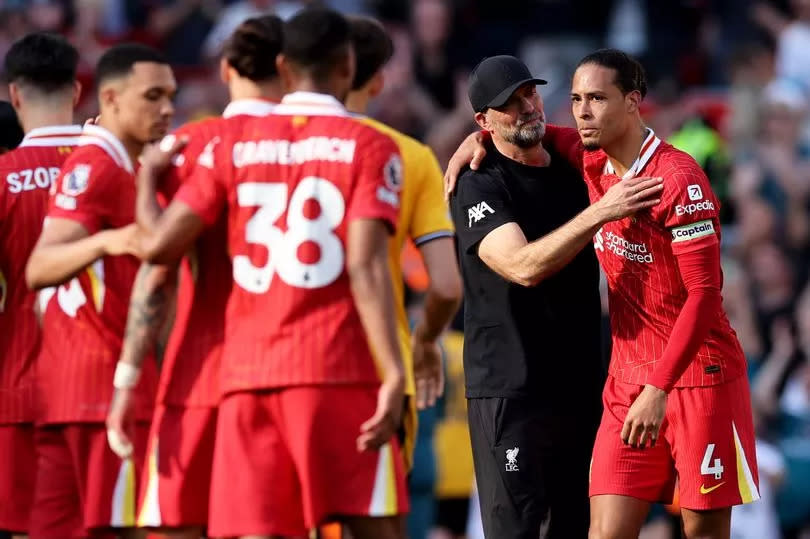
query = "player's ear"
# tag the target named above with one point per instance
(376, 84)
(107, 95)
(224, 70)
(77, 92)
(482, 120)
(633, 101)
(285, 72)
(14, 95)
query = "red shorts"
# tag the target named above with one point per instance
(706, 440)
(177, 476)
(82, 487)
(286, 460)
(18, 467)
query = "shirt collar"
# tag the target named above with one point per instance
(98, 136)
(648, 147)
(249, 107)
(311, 104)
(52, 135)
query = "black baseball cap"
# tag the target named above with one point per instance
(495, 79)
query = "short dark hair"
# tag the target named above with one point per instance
(252, 48)
(42, 60)
(373, 47)
(11, 133)
(630, 76)
(315, 39)
(118, 60)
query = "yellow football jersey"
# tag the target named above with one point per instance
(423, 216)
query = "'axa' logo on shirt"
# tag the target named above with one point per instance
(634, 252)
(477, 212)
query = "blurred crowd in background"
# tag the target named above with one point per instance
(729, 83)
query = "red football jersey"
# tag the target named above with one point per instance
(637, 254)
(84, 320)
(28, 172)
(190, 371)
(292, 182)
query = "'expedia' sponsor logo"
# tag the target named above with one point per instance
(692, 231)
(689, 209)
(634, 252)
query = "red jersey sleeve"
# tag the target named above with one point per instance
(83, 192)
(700, 272)
(379, 181)
(184, 162)
(205, 190)
(688, 208)
(566, 142)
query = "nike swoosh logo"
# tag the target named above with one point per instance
(704, 490)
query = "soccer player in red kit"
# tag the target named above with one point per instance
(310, 195)
(41, 71)
(180, 452)
(82, 487)
(677, 402)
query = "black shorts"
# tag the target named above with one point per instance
(531, 468)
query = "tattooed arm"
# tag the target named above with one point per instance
(149, 305)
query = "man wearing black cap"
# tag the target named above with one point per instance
(532, 315)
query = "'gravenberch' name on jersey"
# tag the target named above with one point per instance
(284, 152)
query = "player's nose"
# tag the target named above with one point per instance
(167, 108)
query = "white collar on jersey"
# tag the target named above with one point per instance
(98, 136)
(310, 104)
(52, 135)
(248, 107)
(648, 148)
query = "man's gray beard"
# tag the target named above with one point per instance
(527, 137)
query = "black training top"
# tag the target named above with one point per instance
(526, 341)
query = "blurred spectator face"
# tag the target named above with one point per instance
(431, 23)
(770, 267)
(398, 72)
(46, 15)
(784, 107)
(601, 110)
(520, 121)
(757, 222)
(780, 124)
(88, 17)
(143, 101)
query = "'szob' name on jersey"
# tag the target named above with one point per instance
(689, 209)
(30, 179)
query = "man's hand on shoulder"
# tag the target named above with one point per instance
(628, 197)
(471, 152)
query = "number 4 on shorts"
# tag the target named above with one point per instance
(716, 469)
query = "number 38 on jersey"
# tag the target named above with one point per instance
(308, 254)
